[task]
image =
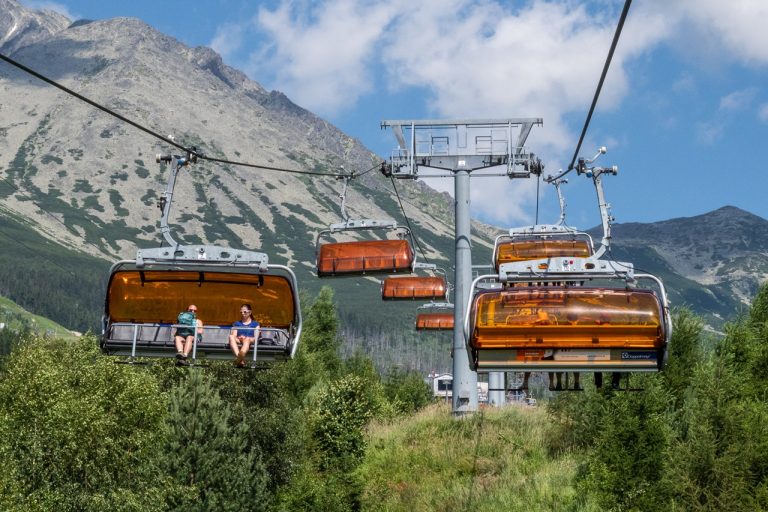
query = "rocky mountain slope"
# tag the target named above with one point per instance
(89, 181)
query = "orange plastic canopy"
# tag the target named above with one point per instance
(523, 250)
(367, 256)
(442, 321)
(560, 317)
(413, 287)
(157, 296)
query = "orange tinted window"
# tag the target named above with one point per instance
(364, 256)
(412, 287)
(434, 321)
(537, 249)
(159, 296)
(566, 317)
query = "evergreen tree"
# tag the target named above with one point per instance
(320, 338)
(685, 354)
(406, 390)
(209, 457)
(626, 469)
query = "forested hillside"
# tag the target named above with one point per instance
(325, 433)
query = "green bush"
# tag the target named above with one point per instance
(407, 391)
(78, 432)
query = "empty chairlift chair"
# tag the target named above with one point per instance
(363, 257)
(416, 287)
(435, 316)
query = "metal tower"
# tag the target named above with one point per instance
(461, 147)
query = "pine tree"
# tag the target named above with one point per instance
(320, 338)
(208, 456)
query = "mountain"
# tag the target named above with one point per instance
(712, 263)
(21, 27)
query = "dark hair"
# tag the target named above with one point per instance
(247, 306)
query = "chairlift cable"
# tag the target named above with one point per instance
(607, 65)
(407, 221)
(153, 133)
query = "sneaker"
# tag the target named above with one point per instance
(240, 364)
(182, 362)
(180, 355)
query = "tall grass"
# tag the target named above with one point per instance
(494, 460)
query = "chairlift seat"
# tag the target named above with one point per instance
(157, 340)
(435, 321)
(365, 257)
(413, 287)
(559, 317)
(142, 305)
(525, 250)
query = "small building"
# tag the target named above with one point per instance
(442, 387)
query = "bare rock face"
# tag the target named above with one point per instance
(21, 27)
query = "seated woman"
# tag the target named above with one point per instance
(185, 336)
(244, 332)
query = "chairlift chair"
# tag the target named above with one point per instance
(562, 324)
(416, 287)
(542, 240)
(560, 307)
(363, 257)
(435, 316)
(145, 295)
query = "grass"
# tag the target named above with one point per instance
(495, 460)
(14, 316)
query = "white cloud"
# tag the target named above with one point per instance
(321, 53)
(684, 84)
(738, 100)
(485, 58)
(737, 25)
(762, 112)
(228, 39)
(51, 6)
(709, 133)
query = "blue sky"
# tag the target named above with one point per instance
(684, 111)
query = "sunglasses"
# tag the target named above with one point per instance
(192, 310)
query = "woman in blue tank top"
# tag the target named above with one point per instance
(244, 332)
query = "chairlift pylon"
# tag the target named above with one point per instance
(145, 295)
